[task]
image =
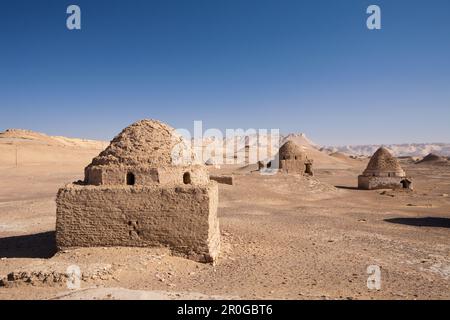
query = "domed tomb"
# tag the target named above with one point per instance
(294, 160)
(142, 190)
(147, 152)
(384, 172)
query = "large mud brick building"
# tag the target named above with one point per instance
(135, 194)
(383, 172)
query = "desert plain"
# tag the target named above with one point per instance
(283, 236)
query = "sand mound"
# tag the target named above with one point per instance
(433, 158)
(339, 155)
(21, 136)
(25, 147)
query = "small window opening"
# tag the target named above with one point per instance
(187, 178)
(130, 179)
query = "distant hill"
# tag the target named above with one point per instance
(20, 147)
(434, 159)
(23, 136)
(323, 156)
(261, 143)
(398, 150)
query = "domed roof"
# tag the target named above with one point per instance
(382, 161)
(146, 142)
(290, 149)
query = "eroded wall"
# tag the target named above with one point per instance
(370, 183)
(292, 166)
(116, 175)
(183, 218)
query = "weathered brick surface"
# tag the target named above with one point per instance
(371, 183)
(144, 175)
(383, 172)
(183, 218)
(223, 179)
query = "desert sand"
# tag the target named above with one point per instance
(283, 236)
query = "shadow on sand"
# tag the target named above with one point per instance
(40, 245)
(347, 187)
(422, 222)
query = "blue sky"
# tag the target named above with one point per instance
(301, 66)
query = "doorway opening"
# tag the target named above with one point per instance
(131, 180)
(406, 184)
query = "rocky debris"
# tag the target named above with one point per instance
(389, 194)
(55, 273)
(127, 294)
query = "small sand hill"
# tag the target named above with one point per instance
(433, 159)
(340, 155)
(322, 160)
(25, 147)
(21, 135)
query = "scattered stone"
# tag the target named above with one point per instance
(53, 273)
(385, 193)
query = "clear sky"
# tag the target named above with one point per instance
(301, 66)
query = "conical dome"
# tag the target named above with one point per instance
(144, 143)
(383, 163)
(291, 150)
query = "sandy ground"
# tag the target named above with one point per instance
(283, 237)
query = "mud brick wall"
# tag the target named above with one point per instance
(223, 179)
(293, 166)
(183, 218)
(116, 175)
(370, 183)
